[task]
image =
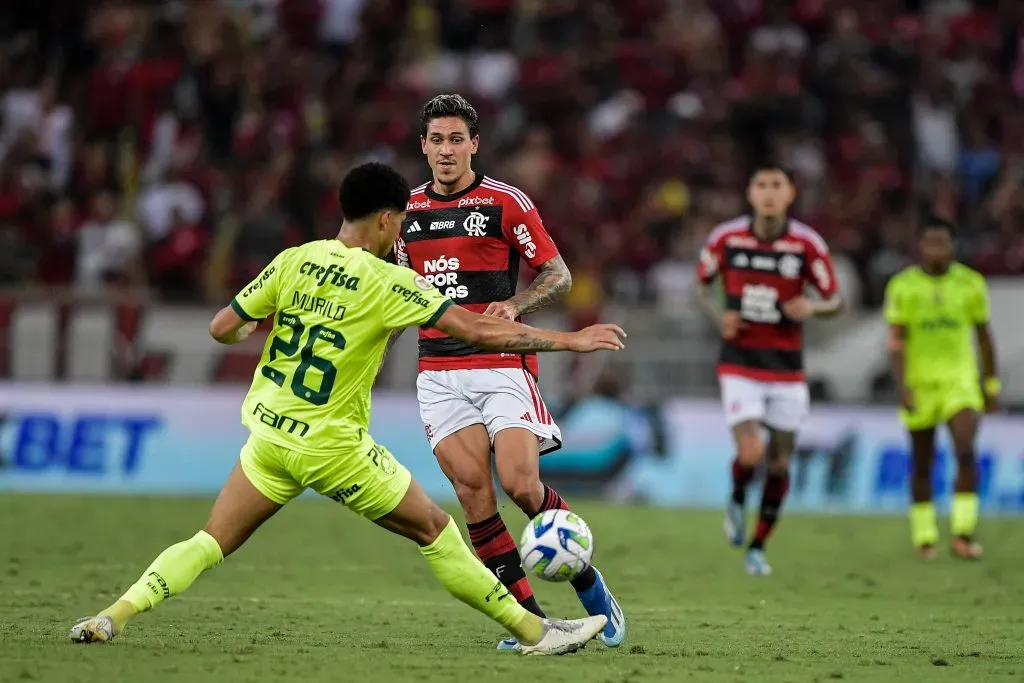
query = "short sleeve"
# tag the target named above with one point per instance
(820, 270)
(401, 254)
(525, 231)
(711, 257)
(258, 299)
(978, 302)
(895, 309)
(409, 300)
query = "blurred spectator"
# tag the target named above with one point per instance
(223, 126)
(108, 247)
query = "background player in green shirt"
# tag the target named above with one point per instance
(932, 310)
(308, 411)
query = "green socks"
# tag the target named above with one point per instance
(924, 528)
(964, 514)
(172, 572)
(467, 579)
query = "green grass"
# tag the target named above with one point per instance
(319, 595)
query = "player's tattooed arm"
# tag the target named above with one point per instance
(728, 322)
(708, 305)
(551, 284)
(493, 333)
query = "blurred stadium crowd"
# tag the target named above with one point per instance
(178, 145)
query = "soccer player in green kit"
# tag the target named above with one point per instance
(336, 302)
(932, 310)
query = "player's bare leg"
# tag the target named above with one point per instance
(465, 458)
(419, 519)
(517, 458)
(750, 451)
(238, 511)
(924, 528)
(963, 427)
(776, 485)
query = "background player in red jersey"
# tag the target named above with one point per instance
(765, 261)
(466, 233)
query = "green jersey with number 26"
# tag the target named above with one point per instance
(335, 309)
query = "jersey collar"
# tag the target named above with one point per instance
(782, 235)
(429, 191)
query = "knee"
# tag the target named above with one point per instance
(525, 489)
(778, 465)
(750, 450)
(476, 495)
(433, 524)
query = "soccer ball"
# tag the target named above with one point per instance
(556, 545)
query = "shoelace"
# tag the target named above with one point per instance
(565, 626)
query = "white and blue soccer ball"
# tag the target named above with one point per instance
(556, 545)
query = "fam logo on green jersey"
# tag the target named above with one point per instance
(278, 421)
(333, 273)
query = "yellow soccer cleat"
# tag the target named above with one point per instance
(563, 637)
(93, 630)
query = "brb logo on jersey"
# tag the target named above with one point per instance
(475, 224)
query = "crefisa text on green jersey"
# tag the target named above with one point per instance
(333, 274)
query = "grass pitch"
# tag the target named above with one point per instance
(319, 595)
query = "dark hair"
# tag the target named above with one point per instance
(442, 106)
(370, 188)
(768, 166)
(937, 223)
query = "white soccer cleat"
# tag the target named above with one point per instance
(93, 630)
(563, 637)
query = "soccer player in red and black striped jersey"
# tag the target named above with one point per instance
(765, 261)
(466, 234)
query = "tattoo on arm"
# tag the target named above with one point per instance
(552, 283)
(706, 302)
(527, 342)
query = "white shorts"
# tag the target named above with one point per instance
(451, 400)
(780, 405)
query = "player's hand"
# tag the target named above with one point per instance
(732, 323)
(245, 330)
(907, 399)
(600, 337)
(503, 309)
(991, 404)
(798, 309)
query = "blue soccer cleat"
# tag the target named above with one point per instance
(756, 563)
(598, 600)
(735, 525)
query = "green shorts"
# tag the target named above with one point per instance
(367, 479)
(935, 406)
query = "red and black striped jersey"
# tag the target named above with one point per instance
(469, 245)
(757, 278)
